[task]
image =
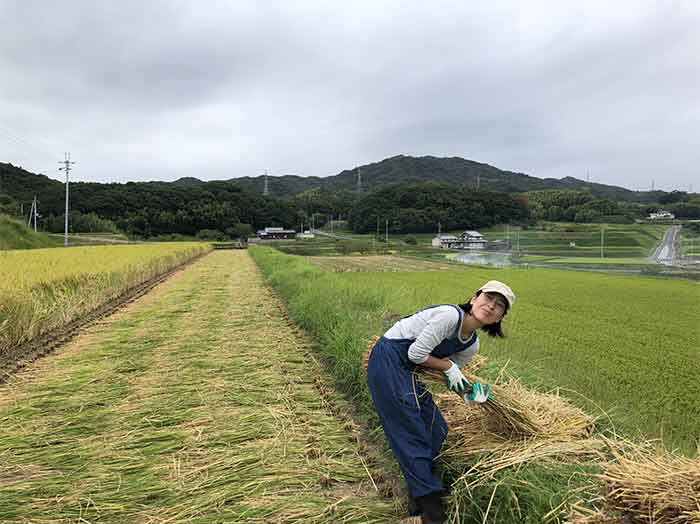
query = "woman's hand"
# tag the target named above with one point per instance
(479, 393)
(456, 381)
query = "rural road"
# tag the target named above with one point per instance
(666, 253)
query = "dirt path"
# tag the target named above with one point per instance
(198, 403)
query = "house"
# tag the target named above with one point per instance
(276, 233)
(306, 234)
(445, 241)
(473, 240)
(467, 240)
(661, 215)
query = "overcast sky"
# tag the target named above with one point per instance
(151, 90)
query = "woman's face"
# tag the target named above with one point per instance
(488, 308)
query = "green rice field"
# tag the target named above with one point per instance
(624, 345)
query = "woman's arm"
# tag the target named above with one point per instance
(441, 364)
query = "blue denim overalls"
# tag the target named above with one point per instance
(412, 422)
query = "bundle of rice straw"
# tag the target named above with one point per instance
(515, 413)
(646, 485)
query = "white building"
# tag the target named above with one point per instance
(661, 215)
(467, 240)
(276, 233)
(445, 241)
(306, 234)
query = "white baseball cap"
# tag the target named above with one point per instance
(494, 286)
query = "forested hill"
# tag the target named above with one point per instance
(395, 170)
(455, 171)
(428, 191)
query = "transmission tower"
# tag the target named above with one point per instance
(266, 189)
(359, 181)
(67, 162)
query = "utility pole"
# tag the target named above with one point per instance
(266, 189)
(359, 181)
(36, 211)
(386, 232)
(602, 242)
(66, 167)
(478, 181)
(33, 212)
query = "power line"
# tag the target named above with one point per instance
(22, 142)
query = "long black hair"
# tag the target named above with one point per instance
(493, 330)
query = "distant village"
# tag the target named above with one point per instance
(468, 240)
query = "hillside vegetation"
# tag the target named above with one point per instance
(15, 235)
(406, 194)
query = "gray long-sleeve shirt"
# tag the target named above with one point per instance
(428, 328)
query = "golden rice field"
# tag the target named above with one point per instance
(42, 289)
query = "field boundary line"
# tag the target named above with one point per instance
(16, 358)
(381, 471)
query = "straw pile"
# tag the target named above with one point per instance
(645, 485)
(515, 413)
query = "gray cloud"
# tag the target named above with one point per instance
(159, 90)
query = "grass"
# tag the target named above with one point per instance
(199, 404)
(41, 289)
(16, 235)
(625, 244)
(622, 344)
(588, 260)
(690, 243)
(608, 337)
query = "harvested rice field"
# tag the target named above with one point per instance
(198, 403)
(378, 263)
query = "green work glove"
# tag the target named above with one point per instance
(456, 381)
(479, 393)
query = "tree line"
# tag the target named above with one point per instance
(224, 209)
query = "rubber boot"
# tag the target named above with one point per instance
(413, 507)
(432, 509)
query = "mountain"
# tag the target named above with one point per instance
(455, 170)
(22, 185)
